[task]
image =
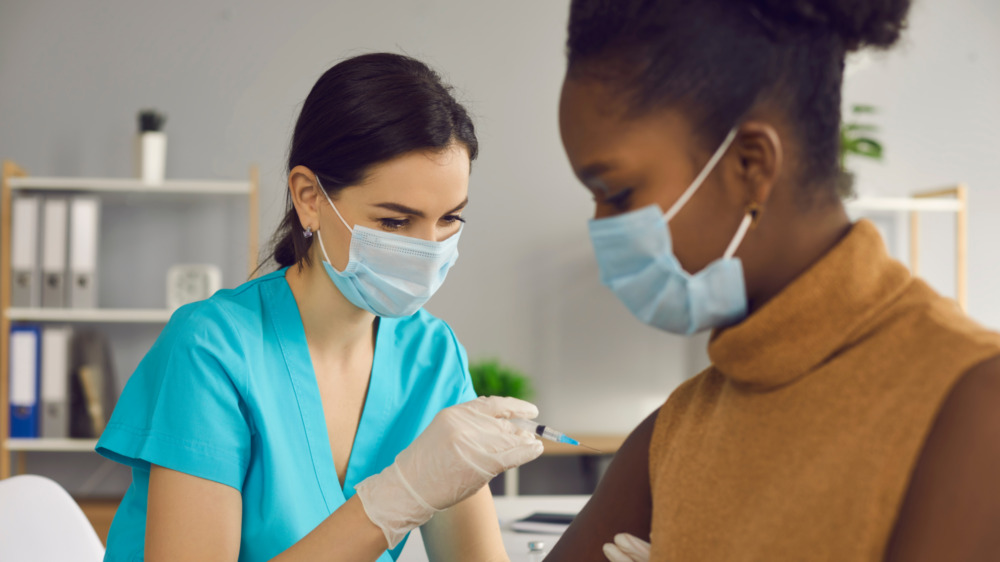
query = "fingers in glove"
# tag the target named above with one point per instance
(635, 547)
(525, 451)
(503, 435)
(614, 554)
(503, 407)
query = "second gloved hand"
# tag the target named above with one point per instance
(461, 450)
(627, 548)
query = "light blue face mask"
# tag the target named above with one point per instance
(388, 274)
(636, 258)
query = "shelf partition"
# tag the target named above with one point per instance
(90, 315)
(129, 185)
(69, 445)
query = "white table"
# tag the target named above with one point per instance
(508, 510)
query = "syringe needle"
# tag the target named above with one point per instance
(546, 432)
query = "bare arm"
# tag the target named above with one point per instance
(468, 530)
(621, 504)
(190, 518)
(952, 508)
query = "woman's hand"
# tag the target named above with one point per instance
(627, 548)
(461, 450)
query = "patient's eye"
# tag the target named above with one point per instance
(619, 200)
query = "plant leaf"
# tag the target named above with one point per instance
(491, 378)
(859, 128)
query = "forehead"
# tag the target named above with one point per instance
(420, 174)
(597, 127)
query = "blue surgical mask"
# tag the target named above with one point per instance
(388, 274)
(636, 258)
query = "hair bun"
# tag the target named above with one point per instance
(859, 23)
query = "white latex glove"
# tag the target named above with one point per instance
(627, 548)
(461, 450)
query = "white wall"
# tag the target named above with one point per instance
(231, 75)
(939, 95)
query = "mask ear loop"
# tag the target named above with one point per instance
(322, 248)
(700, 178)
(749, 221)
(330, 201)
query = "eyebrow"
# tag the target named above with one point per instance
(459, 207)
(399, 208)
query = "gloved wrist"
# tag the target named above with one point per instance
(392, 505)
(458, 453)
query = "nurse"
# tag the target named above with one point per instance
(318, 412)
(850, 412)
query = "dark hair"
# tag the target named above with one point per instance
(718, 58)
(362, 112)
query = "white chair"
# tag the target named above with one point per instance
(40, 521)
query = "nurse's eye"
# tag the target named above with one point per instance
(393, 224)
(619, 200)
(452, 219)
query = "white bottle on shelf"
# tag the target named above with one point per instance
(151, 157)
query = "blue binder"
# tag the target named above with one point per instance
(25, 362)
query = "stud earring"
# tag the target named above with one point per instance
(308, 232)
(754, 209)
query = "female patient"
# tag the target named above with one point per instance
(318, 413)
(850, 413)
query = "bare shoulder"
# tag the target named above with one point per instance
(951, 510)
(622, 502)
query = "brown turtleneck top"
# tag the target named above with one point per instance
(799, 441)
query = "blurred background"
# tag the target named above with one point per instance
(230, 77)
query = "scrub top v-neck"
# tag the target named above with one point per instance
(228, 393)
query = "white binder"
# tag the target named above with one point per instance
(26, 283)
(84, 224)
(54, 227)
(55, 381)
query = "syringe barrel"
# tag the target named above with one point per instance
(526, 425)
(549, 433)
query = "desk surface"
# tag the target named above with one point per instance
(508, 510)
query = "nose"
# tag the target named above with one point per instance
(434, 233)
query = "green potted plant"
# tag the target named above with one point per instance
(856, 139)
(492, 378)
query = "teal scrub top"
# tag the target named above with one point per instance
(228, 393)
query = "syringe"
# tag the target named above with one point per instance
(546, 432)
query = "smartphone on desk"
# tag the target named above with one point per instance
(545, 523)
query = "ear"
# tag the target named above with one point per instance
(760, 159)
(304, 190)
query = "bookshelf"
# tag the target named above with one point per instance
(15, 179)
(950, 199)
